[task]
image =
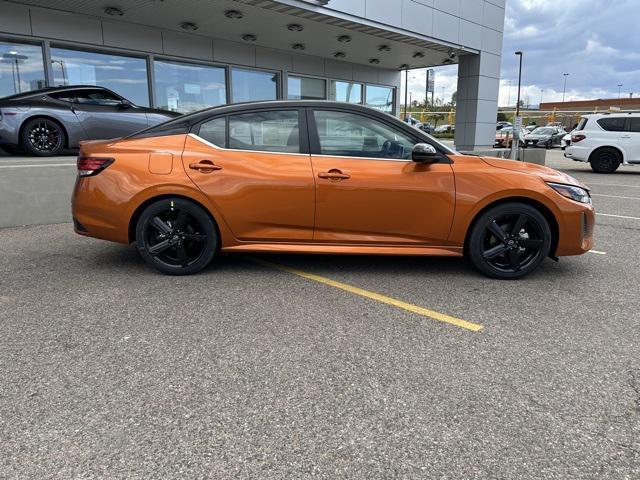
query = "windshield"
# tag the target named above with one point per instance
(543, 131)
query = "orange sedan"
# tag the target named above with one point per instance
(321, 177)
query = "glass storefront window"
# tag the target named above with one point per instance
(184, 88)
(346, 92)
(252, 85)
(127, 76)
(21, 68)
(304, 88)
(380, 98)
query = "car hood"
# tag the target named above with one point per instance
(545, 173)
(536, 136)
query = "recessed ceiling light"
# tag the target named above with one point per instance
(374, 61)
(298, 46)
(113, 11)
(192, 27)
(384, 48)
(418, 55)
(344, 38)
(235, 14)
(249, 37)
(295, 27)
(339, 55)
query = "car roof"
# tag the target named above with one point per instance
(48, 90)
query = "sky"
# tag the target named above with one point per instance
(595, 41)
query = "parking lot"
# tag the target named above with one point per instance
(320, 366)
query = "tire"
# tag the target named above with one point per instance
(42, 137)
(605, 160)
(514, 249)
(176, 237)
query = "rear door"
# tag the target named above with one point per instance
(105, 115)
(368, 189)
(631, 139)
(260, 176)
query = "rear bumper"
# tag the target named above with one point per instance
(577, 153)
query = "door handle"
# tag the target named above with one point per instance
(205, 166)
(334, 174)
(625, 136)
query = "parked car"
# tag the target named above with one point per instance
(504, 137)
(414, 122)
(237, 178)
(556, 124)
(45, 122)
(501, 125)
(546, 137)
(426, 127)
(606, 141)
(444, 128)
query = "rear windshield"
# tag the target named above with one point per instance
(582, 123)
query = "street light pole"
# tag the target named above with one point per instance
(515, 144)
(509, 96)
(619, 89)
(406, 90)
(564, 89)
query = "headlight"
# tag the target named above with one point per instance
(571, 191)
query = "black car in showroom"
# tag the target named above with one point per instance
(44, 122)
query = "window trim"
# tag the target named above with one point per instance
(194, 131)
(314, 137)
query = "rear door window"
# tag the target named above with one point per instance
(634, 125)
(274, 131)
(612, 124)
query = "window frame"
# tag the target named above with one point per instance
(363, 86)
(625, 127)
(314, 137)
(302, 128)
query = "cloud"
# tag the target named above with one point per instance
(595, 41)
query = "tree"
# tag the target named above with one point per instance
(454, 97)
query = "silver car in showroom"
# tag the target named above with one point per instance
(47, 121)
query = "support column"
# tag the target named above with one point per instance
(477, 101)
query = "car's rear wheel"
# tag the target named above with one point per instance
(509, 241)
(42, 137)
(176, 236)
(605, 160)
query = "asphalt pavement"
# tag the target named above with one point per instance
(110, 370)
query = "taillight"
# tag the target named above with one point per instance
(89, 166)
(576, 138)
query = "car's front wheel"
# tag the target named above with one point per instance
(605, 160)
(176, 236)
(509, 241)
(42, 137)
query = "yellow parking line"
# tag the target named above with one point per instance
(374, 296)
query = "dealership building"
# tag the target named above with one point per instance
(185, 55)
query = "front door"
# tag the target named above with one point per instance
(104, 115)
(260, 178)
(368, 189)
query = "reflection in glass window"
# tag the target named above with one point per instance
(380, 98)
(252, 85)
(353, 135)
(183, 88)
(267, 131)
(21, 68)
(304, 88)
(346, 92)
(127, 76)
(214, 131)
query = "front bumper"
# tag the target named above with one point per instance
(576, 230)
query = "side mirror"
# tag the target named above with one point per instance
(125, 104)
(425, 153)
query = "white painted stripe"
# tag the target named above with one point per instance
(597, 252)
(614, 196)
(611, 185)
(40, 165)
(617, 216)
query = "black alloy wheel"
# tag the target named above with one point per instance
(42, 137)
(509, 241)
(605, 160)
(176, 236)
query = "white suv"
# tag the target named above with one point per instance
(606, 141)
